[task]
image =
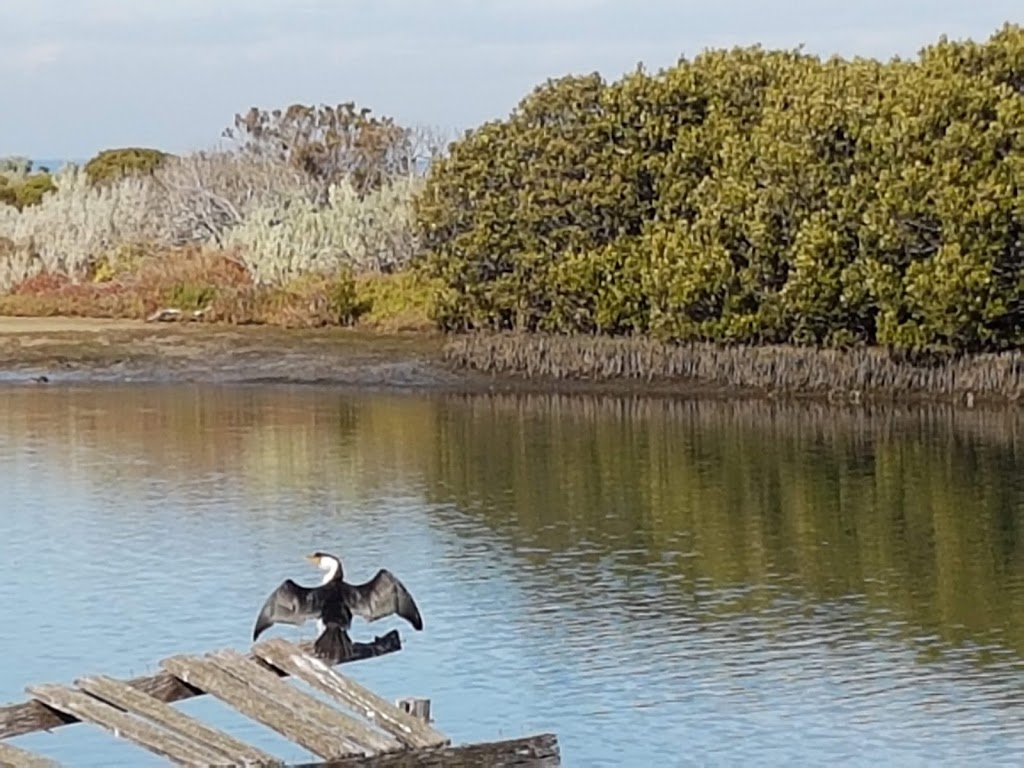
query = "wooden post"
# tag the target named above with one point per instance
(416, 707)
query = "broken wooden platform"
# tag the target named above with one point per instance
(357, 727)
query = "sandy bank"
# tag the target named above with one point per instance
(85, 349)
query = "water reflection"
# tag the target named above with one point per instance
(914, 516)
(765, 583)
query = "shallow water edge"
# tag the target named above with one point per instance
(44, 350)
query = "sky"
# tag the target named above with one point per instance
(78, 76)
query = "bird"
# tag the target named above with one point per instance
(333, 603)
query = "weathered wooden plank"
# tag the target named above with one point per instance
(540, 751)
(31, 716)
(16, 757)
(205, 674)
(120, 694)
(410, 730)
(123, 725)
(361, 737)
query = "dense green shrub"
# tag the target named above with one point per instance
(21, 191)
(7, 194)
(748, 196)
(112, 165)
(33, 188)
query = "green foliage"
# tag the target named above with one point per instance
(747, 196)
(190, 295)
(22, 190)
(330, 299)
(117, 262)
(342, 299)
(112, 165)
(397, 301)
(8, 194)
(32, 190)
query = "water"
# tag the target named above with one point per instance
(688, 584)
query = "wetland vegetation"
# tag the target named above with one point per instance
(746, 218)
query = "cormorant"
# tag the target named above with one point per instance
(333, 603)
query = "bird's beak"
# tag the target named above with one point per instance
(313, 559)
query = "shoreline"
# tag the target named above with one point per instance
(84, 350)
(38, 350)
(124, 351)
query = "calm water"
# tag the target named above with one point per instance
(688, 584)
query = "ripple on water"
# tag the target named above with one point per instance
(662, 639)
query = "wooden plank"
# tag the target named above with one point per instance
(16, 757)
(122, 695)
(411, 731)
(207, 675)
(31, 716)
(361, 737)
(540, 751)
(123, 725)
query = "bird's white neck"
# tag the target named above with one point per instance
(330, 568)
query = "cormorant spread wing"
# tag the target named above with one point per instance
(290, 603)
(382, 596)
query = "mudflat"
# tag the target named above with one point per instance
(37, 350)
(71, 348)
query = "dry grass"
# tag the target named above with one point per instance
(853, 375)
(134, 283)
(133, 286)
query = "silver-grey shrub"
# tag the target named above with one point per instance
(373, 233)
(71, 226)
(206, 194)
(220, 199)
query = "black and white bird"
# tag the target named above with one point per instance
(333, 603)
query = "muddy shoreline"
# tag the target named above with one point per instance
(73, 350)
(86, 350)
(48, 350)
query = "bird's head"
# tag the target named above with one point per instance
(329, 564)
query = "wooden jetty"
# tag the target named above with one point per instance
(358, 728)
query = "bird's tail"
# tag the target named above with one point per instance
(334, 645)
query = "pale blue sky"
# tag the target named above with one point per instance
(82, 75)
